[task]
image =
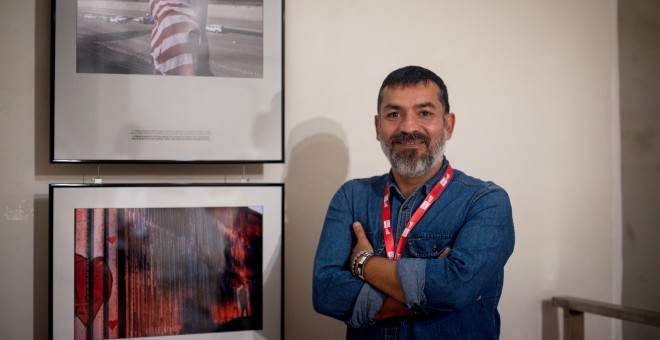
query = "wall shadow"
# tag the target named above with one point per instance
(41, 277)
(317, 164)
(41, 244)
(639, 64)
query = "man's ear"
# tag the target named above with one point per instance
(449, 124)
(377, 125)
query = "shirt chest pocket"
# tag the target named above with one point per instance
(429, 246)
(377, 242)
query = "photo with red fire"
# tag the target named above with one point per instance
(167, 271)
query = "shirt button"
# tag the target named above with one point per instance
(405, 208)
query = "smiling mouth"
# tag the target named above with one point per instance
(411, 143)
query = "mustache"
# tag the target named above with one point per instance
(404, 136)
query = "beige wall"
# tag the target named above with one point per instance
(534, 88)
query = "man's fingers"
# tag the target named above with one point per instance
(362, 240)
(444, 253)
(359, 231)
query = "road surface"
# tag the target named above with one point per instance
(123, 47)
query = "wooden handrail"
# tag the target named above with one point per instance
(574, 309)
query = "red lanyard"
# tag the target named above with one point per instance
(387, 213)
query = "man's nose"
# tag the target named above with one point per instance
(409, 123)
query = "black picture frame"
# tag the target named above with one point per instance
(200, 261)
(106, 107)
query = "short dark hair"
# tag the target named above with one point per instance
(410, 76)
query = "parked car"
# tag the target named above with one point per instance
(144, 20)
(118, 18)
(214, 28)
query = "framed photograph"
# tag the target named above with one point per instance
(165, 81)
(195, 261)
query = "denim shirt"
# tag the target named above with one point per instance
(454, 297)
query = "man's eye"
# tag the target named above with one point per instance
(392, 115)
(426, 113)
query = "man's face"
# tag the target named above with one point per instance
(412, 128)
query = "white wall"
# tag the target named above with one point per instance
(531, 83)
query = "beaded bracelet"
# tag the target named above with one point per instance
(355, 261)
(359, 269)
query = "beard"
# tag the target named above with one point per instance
(411, 163)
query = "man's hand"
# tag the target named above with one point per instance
(382, 275)
(381, 272)
(362, 241)
(444, 253)
(392, 309)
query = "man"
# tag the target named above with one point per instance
(417, 253)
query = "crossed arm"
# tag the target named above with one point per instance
(478, 253)
(381, 273)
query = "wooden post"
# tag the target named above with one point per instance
(573, 325)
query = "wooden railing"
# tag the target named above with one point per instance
(574, 309)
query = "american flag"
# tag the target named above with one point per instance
(177, 36)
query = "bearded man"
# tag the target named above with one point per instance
(417, 253)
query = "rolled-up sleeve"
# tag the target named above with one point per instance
(481, 248)
(367, 305)
(412, 276)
